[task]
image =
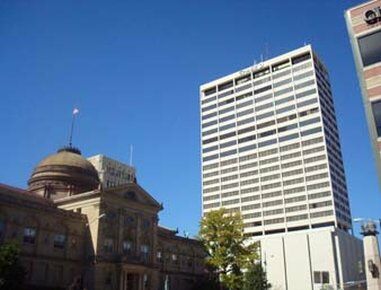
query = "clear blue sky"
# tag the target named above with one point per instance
(134, 69)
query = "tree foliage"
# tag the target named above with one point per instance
(255, 278)
(223, 237)
(12, 273)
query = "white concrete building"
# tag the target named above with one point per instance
(112, 172)
(313, 259)
(271, 150)
(270, 146)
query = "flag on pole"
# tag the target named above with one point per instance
(75, 112)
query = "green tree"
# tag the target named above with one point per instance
(228, 251)
(12, 273)
(255, 278)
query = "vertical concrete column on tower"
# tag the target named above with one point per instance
(371, 256)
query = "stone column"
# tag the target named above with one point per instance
(154, 282)
(138, 234)
(155, 222)
(122, 280)
(119, 231)
(140, 281)
(371, 256)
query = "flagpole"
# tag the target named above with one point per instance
(71, 130)
(75, 112)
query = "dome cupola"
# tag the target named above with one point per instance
(63, 174)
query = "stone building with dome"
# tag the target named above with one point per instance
(74, 233)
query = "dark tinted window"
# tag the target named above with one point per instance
(228, 135)
(311, 131)
(376, 108)
(280, 66)
(209, 116)
(244, 96)
(317, 277)
(262, 72)
(59, 241)
(267, 133)
(206, 150)
(243, 79)
(285, 128)
(249, 129)
(247, 148)
(266, 143)
(370, 48)
(207, 141)
(261, 90)
(246, 139)
(288, 137)
(29, 235)
(227, 153)
(225, 86)
(210, 91)
(208, 158)
(325, 277)
(209, 124)
(301, 58)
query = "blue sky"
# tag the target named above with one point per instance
(134, 68)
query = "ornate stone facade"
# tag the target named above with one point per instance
(101, 239)
(52, 240)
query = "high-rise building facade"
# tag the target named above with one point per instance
(364, 28)
(270, 146)
(271, 151)
(112, 172)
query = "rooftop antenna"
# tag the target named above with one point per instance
(131, 151)
(74, 114)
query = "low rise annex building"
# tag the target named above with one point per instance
(72, 232)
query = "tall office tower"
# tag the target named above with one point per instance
(112, 172)
(270, 146)
(364, 27)
(271, 150)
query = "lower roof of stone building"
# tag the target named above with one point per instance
(172, 234)
(132, 192)
(28, 199)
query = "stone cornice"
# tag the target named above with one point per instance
(78, 197)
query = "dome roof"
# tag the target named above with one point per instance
(67, 157)
(65, 173)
